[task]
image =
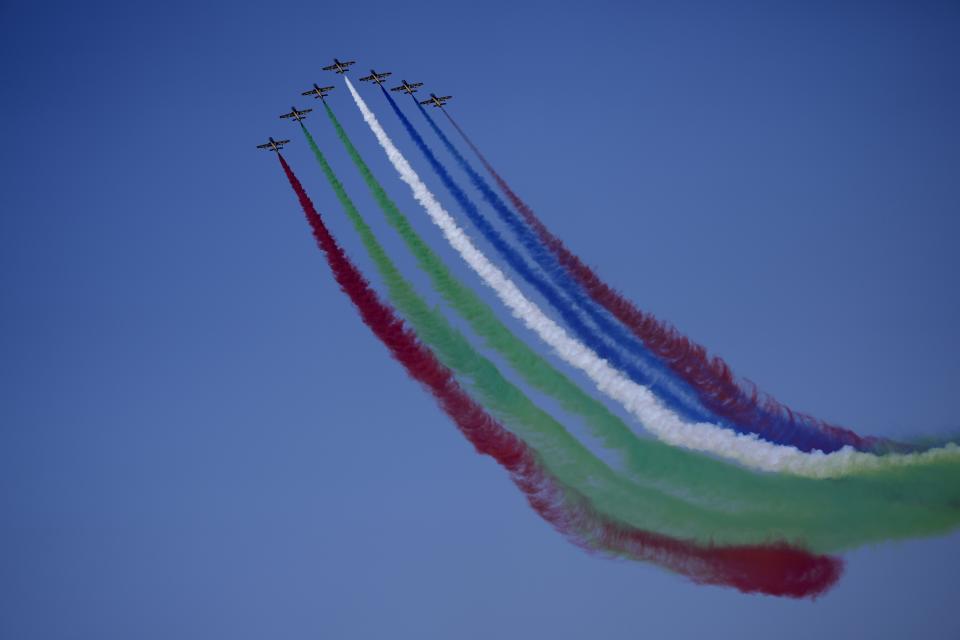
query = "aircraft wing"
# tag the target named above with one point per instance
(331, 67)
(309, 93)
(287, 115)
(264, 146)
(282, 141)
(445, 97)
(305, 110)
(365, 78)
(427, 101)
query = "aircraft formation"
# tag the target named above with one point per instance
(341, 67)
(802, 490)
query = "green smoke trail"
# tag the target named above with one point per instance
(573, 464)
(673, 491)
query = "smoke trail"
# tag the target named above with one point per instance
(636, 399)
(826, 517)
(535, 370)
(717, 387)
(772, 569)
(674, 395)
(804, 438)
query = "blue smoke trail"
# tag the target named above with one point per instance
(680, 400)
(770, 421)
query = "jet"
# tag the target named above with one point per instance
(318, 92)
(273, 145)
(339, 67)
(408, 87)
(436, 101)
(376, 77)
(297, 114)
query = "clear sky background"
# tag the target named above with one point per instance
(198, 439)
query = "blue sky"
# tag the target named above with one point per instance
(198, 438)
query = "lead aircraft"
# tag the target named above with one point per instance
(339, 67)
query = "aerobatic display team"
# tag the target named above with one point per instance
(703, 475)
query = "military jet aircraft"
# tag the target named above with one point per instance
(273, 145)
(376, 77)
(436, 101)
(318, 92)
(408, 87)
(339, 67)
(297, 114)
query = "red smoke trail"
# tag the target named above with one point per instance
(720, 390)
(775, 570)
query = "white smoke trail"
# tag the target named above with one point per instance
(666, 425)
